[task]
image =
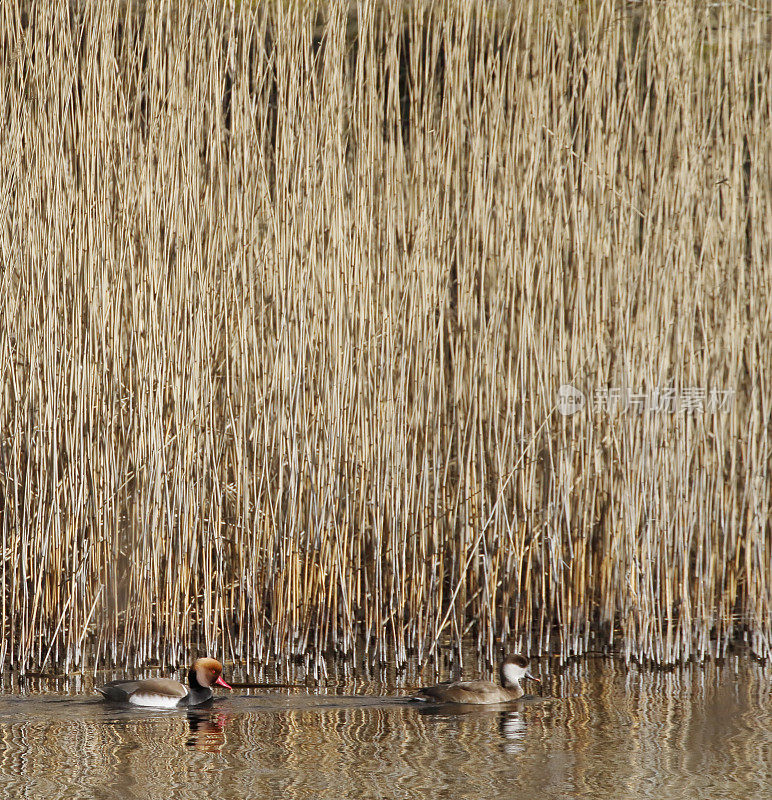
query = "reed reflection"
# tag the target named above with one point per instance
(603, 729)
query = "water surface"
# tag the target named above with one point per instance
(601, 729)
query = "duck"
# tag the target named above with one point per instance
(167, 693)
(513, 669)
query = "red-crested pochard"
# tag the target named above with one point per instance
(513, 670)
(166, 693)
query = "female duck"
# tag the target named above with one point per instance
(166, 693)
(513, 670)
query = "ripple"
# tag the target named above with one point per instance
(606, 731)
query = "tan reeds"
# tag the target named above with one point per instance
(288, 292)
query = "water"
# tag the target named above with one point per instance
(601, 729)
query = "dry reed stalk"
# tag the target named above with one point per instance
(288, 292)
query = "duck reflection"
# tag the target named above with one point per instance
(512, 729)
(207, 730)
(511, 723)
(464, 709)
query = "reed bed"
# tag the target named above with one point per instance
(288, 295)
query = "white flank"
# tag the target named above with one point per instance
(154, 701)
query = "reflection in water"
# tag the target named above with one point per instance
(207, 730)
(512, 728)
(607, 730)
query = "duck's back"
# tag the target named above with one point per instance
(469, 692)
(163, 690)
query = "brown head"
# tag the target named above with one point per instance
(207, 672)
(513, 669)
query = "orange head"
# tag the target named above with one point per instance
(209, 672)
